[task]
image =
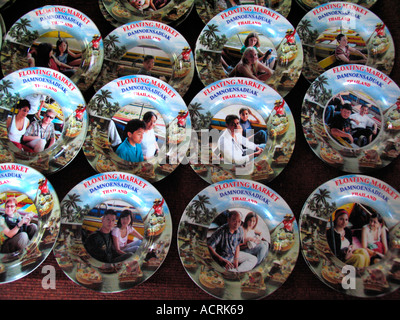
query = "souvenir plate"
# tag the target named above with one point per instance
(6, 3)
(310, 4)
(151, 48)
(28, 199)
(62, 29)
(350, 118)
(208, 9)
(343, 212)
(265, 138)
(86, 223)
(46, 99)
(127, 102)
(126, 11)
(218, 48)
(339, 33)
(268, 238)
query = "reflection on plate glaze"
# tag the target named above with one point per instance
(120, 12)
(83, 215)
(254, 104)
(220, 48)
(333, 133)
(131, 98)
(353, 206)
(69, 119)
(266, 259)
(36, 200)
(309, 4)
(38, 36)
(366, 39)
(209, 9)
(128, 48)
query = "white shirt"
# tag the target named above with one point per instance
(232, 147)
(13, 133)
(364, 121)
(34, 100)
(149, 144)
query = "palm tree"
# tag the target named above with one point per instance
(102, 97)
(69, 205)
(321, 197)
(211, 34)
(200, 204)
(5, 85)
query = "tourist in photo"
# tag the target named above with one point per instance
(130, 149)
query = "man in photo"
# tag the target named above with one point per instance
(40, 134)
(224, 245)
(234, 147)
(341, 124)
(100, 243)
(131, 149)
(364, 128)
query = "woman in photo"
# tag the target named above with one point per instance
(45, 58)
(343, 51)
(122, 231)
(374, 238)
(17, 124)
(250, 67)
(65, 55)
(149, 142)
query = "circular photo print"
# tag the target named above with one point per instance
(209, 9)
(350, 235)
(243, 129)
(29, 220)
(74, 47)
(349, 118)
(253, 42)
(148, 48)
(115, 232)
(238, 240)
(138, 124)
(310, 4)
(43, 120)
(120, 12)
(340, 33)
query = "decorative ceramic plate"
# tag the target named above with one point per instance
(209, 9)
(53, 118)
(28, 203)
(120, 12)
(265, 138)
(6, 3)
(268, 239)
(225, 48)
(93, 212)
(150, 48)
(350, 118)
(71, 35)
(339, 33)
(310, 4)
(341, 213)
(127, 103)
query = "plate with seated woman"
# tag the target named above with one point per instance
(350, 235)
(74, 47)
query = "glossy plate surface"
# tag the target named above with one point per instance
(266, 258)
(129, 99)
(148, 47)
(36, 204)
(44, 89)
(209, 9)
(220, 45)
(214, 156)
(356, 206)
(366, 40)
(83, 217)
(55, 28)
(310, 4)
(332, 131)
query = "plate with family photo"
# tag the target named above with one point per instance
(171, 12)
(115, 232)
(253, 42)
(147, 48)
(238, 240)
(350, 235)
(44, 119)
(29, 220)
(138, 124)
(310, 4)
(56, 37)
(339, 33)
(350, 117)
(243, 129)
(209, 9)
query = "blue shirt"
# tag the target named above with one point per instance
(129, 152)
(224, 242)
